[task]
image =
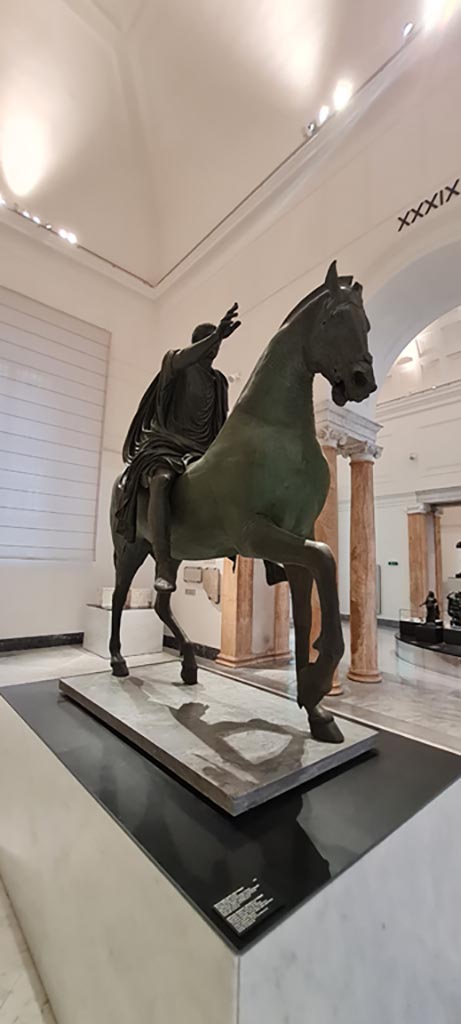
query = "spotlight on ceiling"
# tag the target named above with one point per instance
(408, 29)
(25, 213)
(324, 113)
(71, 238)
(62, 233)
(438, 12)
(342, 94)
(49, 227)
(2, 201)
(36, 220)
(311, 129)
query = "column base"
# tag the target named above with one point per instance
(253, 659)
(364, 677)
(336, 688)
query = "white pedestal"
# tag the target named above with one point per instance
(142, 631)
(116, 942)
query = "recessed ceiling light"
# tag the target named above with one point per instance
(2, 201)
(408, 29)
(71, 238)
(62, 233)
(36, 220)
(342, 94)
(324, 113)
(49, 227)
(26, 213)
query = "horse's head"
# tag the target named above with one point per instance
(341, 344)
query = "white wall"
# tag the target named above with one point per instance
(49, 598)
(451, 535)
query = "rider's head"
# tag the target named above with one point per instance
(202, 331)
(199, 334)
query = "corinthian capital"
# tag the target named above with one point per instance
(360, 451)
(332, 436)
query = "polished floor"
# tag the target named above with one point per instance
(22, 997)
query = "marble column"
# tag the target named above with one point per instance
(282, 621)
(237, 603)
(418, 555)
(363, 617)
(326, 530)
(437, 517)
(237, 612)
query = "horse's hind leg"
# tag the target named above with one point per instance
(322, 723)
(128, 558)
(189, 663)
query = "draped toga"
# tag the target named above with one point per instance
(178, 417)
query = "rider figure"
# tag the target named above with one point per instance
(178, 417)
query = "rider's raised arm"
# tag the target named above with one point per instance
(194, 353)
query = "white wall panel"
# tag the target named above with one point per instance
(36, 342)
(14, 498)
(37, 414)
(53, 371)
(49, 399)
(42, 467)
(22, 426)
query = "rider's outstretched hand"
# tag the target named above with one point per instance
(229, 323)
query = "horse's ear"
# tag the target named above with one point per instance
(358, 288)
(332, 281)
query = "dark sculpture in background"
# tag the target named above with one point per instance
(260, 486)
(432, 607)
(454, 608)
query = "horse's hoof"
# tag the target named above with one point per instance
(119, 668)
(189, 675)
(323, 727)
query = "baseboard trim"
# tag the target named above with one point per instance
(30, 643)
(201, 650)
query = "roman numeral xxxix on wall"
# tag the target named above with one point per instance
(440, 198)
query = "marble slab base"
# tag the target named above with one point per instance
(236, 745)
(141, 631)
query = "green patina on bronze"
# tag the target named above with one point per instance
(259, 488)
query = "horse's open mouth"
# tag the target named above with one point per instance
(338, 393)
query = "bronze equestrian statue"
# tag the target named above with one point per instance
(260, 485)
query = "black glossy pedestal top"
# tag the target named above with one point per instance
(293, 845)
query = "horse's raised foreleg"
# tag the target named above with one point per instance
(189, 664)
(128, 558)
(322, 724)
(263, 539)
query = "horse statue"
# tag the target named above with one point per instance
(261, 485)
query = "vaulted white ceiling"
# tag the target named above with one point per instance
(432, 359)
(139, 124)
